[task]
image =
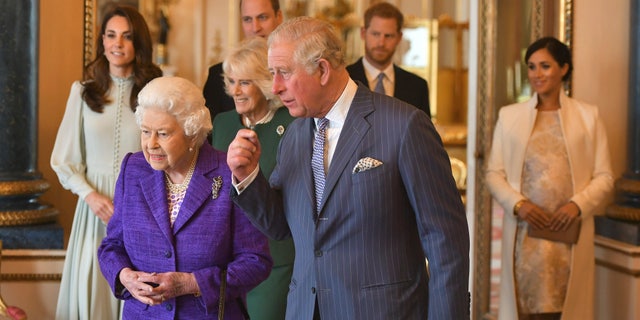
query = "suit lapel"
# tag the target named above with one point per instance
(156, 199)
(353, 130)
(361, 75)
(199, 189)
(399, 86)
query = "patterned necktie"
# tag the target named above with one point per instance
(317, 160)
(379, 85)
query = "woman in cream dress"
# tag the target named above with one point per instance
(97, 130)
(549, 165)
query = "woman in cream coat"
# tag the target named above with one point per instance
(591, 182)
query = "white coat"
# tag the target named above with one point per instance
(592, 179)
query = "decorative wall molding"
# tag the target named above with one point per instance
(6, 277)
(14, 261)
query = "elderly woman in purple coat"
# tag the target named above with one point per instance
(175, 237)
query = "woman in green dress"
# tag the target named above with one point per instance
(248, 81)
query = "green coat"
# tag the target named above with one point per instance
(267, 300)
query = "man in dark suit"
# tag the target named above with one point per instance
(382, 32)
(365, 199)
(259, 18)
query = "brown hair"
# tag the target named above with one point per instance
(275, 4)
(383, 10)
(558, 50)
(97, 79)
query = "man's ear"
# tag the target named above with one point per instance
(324, 67)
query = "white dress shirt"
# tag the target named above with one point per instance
(372, 72)
(336, 115)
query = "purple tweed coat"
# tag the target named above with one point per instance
(208, 235)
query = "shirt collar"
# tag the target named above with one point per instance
(372, 72)
(338, 112)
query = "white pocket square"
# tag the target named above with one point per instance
(365, 164)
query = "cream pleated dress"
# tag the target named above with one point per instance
(87, 154)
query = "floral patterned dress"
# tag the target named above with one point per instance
(542, 267)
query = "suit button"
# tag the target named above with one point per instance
(313, 290)
(168, 306)
(318, 253)
(167, 254)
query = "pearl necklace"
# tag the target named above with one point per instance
(247, 122)
(179, 187)
(177, 191)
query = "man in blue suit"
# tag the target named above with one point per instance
(381, 33)
(386, 197)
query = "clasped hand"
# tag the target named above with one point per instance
(539, 219)
(155, 288)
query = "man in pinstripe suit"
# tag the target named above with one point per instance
(389, 197)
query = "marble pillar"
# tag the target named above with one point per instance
(25, 222)
(627, 205)
(622, 221)
(617, 243)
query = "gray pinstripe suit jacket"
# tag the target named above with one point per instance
(363, 258)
